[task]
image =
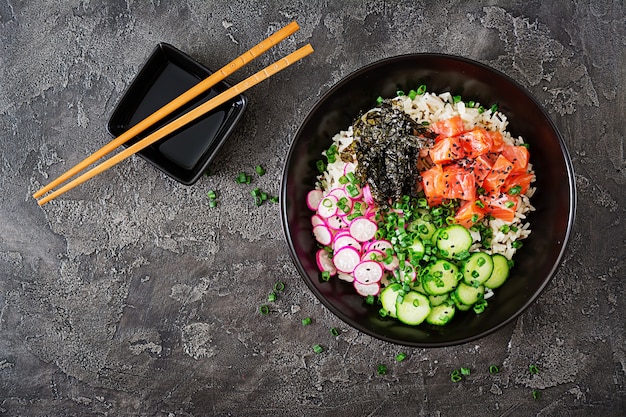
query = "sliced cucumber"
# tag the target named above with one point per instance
(477, 269)
(418, 249)
(440, 315)
(441, 277)
(413, 309)
(453, 240)
(436, 300)
(389, 296)
(468, 294)
(424, 228)
(500, 271)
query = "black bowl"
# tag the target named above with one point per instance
(554, 199)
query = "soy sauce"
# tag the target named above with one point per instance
(187, 145)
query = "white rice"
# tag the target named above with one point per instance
(430, 107)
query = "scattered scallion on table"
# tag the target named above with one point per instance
(318, 349)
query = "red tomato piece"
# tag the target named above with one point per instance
(446, 150)
(523, 179)
(475, 142)
(497, 176)
(433, 185)
(468, 214)
(500, 205)
(518, 156)
(459, 182)
(496, 142)
(449, 127)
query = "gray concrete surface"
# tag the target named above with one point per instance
(130, 296)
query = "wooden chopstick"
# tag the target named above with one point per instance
(183, 120)
(173, 105)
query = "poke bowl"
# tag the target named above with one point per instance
(360, 171)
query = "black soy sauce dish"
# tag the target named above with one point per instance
(185, 154)
(555, 197)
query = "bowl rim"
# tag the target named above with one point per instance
(425, 55)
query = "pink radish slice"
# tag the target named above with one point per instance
(313, 199)
(323, 234)
(316, 219)
(394, 264)
(381, 245)
(324, 263)
(346, 240)
(368, 272)
(327, 206)
(350, 167)
(345, 277)
(363, 229)
(367, 195)
(372, 255)
(337, 222)
(346, 258)
(366, 289)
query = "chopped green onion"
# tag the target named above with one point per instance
(321, 166)
(533, 369)
(494, 108)
(480, 204)
(243, 178)
(536, 394)
(400, 93)
(517, 244)
(381, 370)
(481, 109)
(493, 369)
(211, 194)
(456, 99)
(306, 321)
(271, 297)
(212, 203)
(412, 94)
(279, 286)
(274, 199)
(259, 170)
(421, 90)
(400, 356)
(379, 100)
(265, 310)
(455, 376)
(343, 180)
(325, 276)
(515, 190)
(370, 299)
(509, 204)
(465, 371)
(318, 349)
(334, 331)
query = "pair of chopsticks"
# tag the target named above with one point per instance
(183, 119)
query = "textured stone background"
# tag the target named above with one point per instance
(130, 296)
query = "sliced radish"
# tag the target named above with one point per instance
(324, 262)
(327, 206)
(394, 264)
(350, 167)
(366, 289)
(381, 245)
(345, 277)
(316, 219)
(337, 222)
(363, 229)
(367, 195)
(346, 240)
(323, 234)
(341, 194)
(368, 272)
(346, 258)
(313, 198)
(372, 255)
